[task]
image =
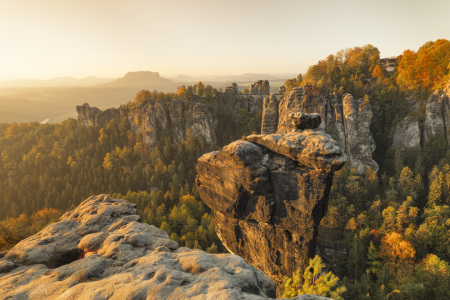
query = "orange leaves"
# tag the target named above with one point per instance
(427, 68)
(395, 247)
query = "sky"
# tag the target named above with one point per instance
(108, 38)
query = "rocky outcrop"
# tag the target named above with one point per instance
(358, 138)
(92, 116)
(347, 120)
(269, 194)
(437, 119)
(270, 115)
(407, 133)
(261, 87)
(203, 124)
(156, 119)
(233, 88)
(149, 120)
(101, 251)
(290, 103)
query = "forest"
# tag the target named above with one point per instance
(385, 234)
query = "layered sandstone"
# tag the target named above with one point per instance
(100, 250)
(269, 194)
(347, 120)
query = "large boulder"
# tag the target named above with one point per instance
(100, 250)
(269, 194)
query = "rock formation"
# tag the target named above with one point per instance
(148, 119)
(407, 133)
(154, 119)
(261, 87)
(348, 121)
(270, 115)
(437, 119)
(358, 138)
(101, 251)
(269, 194)
(92, 116)
(233, 88)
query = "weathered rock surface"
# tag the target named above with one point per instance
(407, 133)
(305, 121)
(149, 119)
(101, 251)
(155, 119)
(437, 119)
(358, 138)
(261, 87)
(92, 116)
(269, 194)
(348, 121)
(270, 115)
(290, 103)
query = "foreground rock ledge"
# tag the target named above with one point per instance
(124, 259)
(269, 194)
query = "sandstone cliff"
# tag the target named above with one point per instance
(407, 133)
(92, 116)
(347, 120)
(101, 251)
(269, 194)
(155, 119)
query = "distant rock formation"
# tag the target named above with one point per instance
(407, 133)
(261, 87)
(140, 79)
(269, 194)
(348, 121)
(92, 116)
(101, 251)
(233, 88)
(153, 119)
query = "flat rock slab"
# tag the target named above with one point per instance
(312, 148)
(101, 251)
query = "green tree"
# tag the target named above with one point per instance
(315, 281)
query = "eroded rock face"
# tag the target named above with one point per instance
(269, 194)
(407, 133)
(261, 87)
(348, 121)
(154, 119)
(92, 116)
(149, 119)
(358, 138)
(437, 119)
(270, 115)
(123, 259)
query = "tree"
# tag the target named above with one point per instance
(200, 89)
(315, 281)
(182, 92)
(142, 96)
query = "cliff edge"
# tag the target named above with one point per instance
(100, 250)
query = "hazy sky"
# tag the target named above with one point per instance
(107, 38)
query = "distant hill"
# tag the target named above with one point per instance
(141, 80)
(56, 82)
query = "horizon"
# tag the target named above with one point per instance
(106, 39)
